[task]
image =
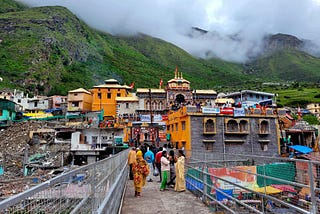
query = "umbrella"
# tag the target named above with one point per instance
(301, 149)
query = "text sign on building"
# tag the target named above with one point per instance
(239, 112)
(206, 110)
(226, 111)
(145, 118)
(157, 118)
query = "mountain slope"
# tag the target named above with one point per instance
(286, 65)
(10, 6)
(48, 50)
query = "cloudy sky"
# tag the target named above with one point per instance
(172, 20)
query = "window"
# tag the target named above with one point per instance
(127, 105)
(264, 127)
(35, 104)
(75, 104)
(19, 100)
(94, 139)
(99, 95)
(109, 95)
(209, 146)
(209, 125)
(264, 146)
(154, 105)
(75, 94)
(176, 126)
(168, 128)
(118, 95)
(232, 126)
(243, 126)
(183, 125)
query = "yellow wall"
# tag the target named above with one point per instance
(180, 135)
(105, 103)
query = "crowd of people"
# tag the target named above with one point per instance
(146, 161)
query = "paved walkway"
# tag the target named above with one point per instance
(156, 202)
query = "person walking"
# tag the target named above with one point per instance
(180, 184)
(165, 170)
(140, 171)
(158, 162)
(149, 157)
(131, 160)
(173, 160)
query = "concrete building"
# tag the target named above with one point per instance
(105, 95)
(79, 100)
(314, 108)
(250, 98)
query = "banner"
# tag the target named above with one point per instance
(206, 110)
(226, 111)
(157, 118)
(145, 118)
(239, 112)
(241, 175)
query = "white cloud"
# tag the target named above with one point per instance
(171, 20)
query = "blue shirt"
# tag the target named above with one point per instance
(149, 156)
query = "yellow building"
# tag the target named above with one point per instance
(179, 127)
(104, 97)
(79, 100)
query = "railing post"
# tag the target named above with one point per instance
(204, 178)
(313, 208)
(93, 193)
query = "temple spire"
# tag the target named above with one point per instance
(176, 73)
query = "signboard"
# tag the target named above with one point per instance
(239, 112)
(118, 140)
(164, 117)
(157, 118)
(145, 118)
(226, 111)
(206, 110)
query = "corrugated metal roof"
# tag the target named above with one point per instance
(205, 91)
(153, 90)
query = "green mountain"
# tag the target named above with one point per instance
(48, 50)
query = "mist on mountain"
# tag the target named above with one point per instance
(241, 25)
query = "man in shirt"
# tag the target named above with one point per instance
(131, 160)
(149, 157)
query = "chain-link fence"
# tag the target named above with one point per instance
(234, 183)
(94, 188)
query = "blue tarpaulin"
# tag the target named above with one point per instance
(228, 192)
(301, 149)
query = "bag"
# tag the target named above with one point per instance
(155, 171)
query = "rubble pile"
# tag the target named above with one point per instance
(18, 149)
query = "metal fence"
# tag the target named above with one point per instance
(235, 183)
(87, 189)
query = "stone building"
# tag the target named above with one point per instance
(231, 130)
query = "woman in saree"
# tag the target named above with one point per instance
(140, 171)
(180, 184)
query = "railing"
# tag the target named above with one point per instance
(87, 189)
(256, 184)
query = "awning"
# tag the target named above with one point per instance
(267, 190)
(301, 149)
